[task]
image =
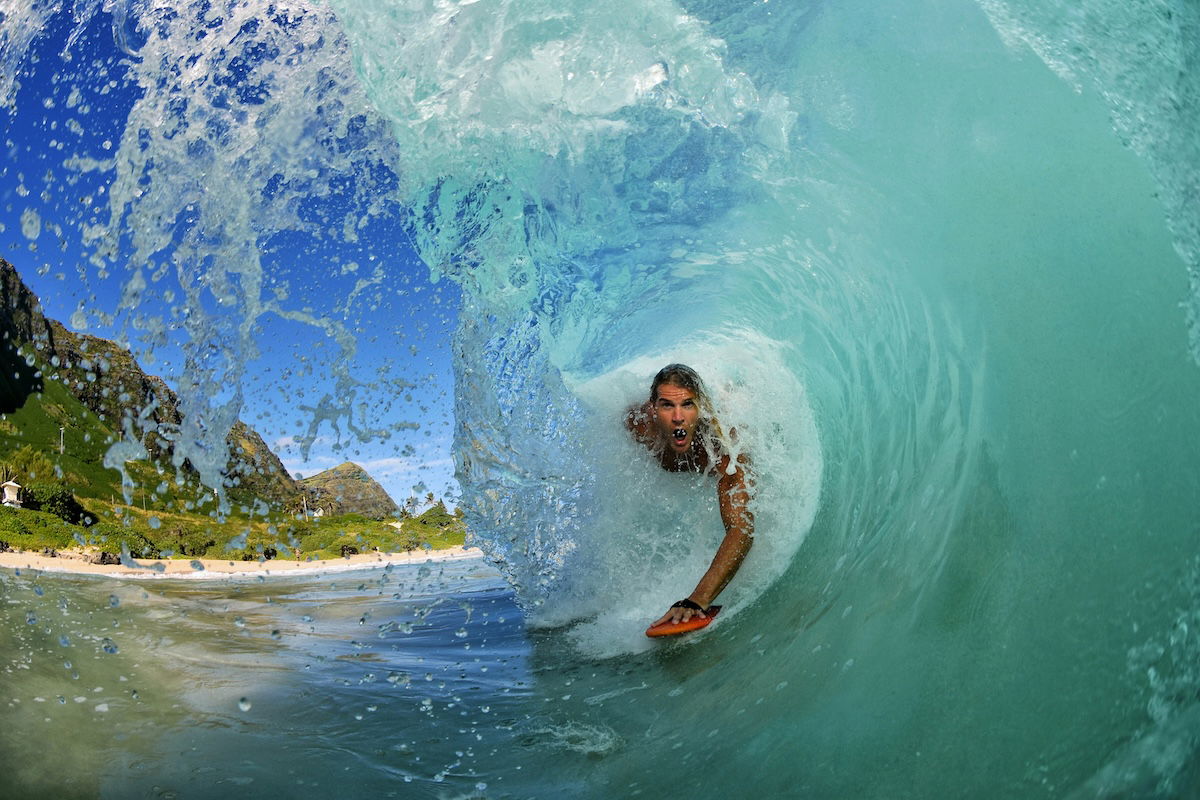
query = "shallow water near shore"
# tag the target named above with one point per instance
(280, 687)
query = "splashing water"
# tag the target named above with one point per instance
(930, 258)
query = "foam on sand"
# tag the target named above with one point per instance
(217, 569)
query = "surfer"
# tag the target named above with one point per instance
(678, 427)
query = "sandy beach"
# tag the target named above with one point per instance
(206, 568)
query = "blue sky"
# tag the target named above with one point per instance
(372, 291)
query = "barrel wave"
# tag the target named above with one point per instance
(937, 262)
(937, 291)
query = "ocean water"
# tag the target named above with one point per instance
(257, 687)
(937, 260)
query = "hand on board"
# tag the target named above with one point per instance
(682, 611)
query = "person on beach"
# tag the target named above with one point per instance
(677, 426)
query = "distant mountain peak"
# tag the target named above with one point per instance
(349, 489)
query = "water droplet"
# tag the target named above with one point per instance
(31, 224)
(244, 704)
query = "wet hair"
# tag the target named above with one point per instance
(711, 437)
(684, 377)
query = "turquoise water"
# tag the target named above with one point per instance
(937, 261)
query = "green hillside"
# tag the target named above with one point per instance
(65, 398)
(40, 422)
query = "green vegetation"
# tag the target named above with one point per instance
(71, 500)
(163, 535)
(333, 537)
(21, 529)
(55, 446)
(54, 430)
(56, 499)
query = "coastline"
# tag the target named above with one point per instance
(73, 562)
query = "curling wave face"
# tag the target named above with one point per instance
(614, 197)
(830, 216)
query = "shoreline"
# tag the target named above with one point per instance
(74, 563)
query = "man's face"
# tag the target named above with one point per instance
(677, 412)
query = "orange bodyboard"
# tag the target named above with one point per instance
(693, 624)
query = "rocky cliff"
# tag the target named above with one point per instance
(106, 378)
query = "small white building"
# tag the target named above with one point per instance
(12, 493)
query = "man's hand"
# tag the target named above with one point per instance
(682, 611)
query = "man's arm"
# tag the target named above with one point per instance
(638, 420)
(733, 495)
